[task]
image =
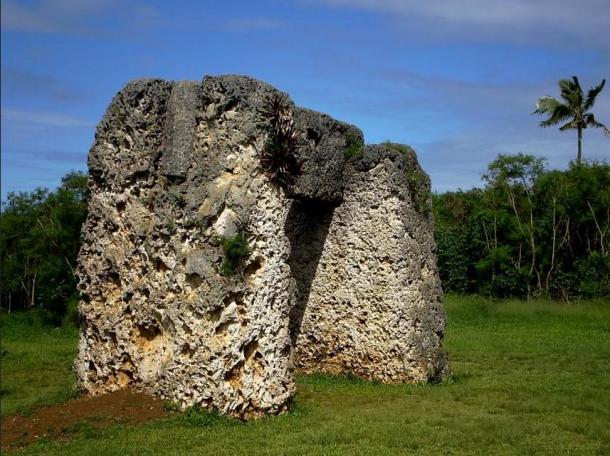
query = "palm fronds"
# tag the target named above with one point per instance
(573, 109)
(592, 95)
(558, 111)
(591, 122)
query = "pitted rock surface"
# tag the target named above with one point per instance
(157, 312)
(321, 149)
(340, 275)
(369, 294)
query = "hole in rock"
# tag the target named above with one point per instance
(187, 351)
(174, 179)
(313, 135)
(140, 175)
(253, 267)
(231, 103)
(124, 378)
(114, 278)
(148, 333)
(215, 314)
(223, 328)
(160, 266)
(233, 296)
(194, 280)
(249, 349)
(233, 376)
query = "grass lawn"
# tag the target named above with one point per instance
(527, 378)
(36, 363)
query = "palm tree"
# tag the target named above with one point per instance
(574, 109)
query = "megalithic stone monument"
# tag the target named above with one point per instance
(340, 273)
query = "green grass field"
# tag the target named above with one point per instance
(527, 378)
(36, 363)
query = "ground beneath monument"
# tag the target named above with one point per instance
(63, 421)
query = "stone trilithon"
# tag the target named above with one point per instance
(340, 273)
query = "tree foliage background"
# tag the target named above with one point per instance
(39, 242)
(527, 232)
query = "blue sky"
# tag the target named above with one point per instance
(457, 80)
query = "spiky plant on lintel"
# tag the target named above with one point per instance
(277, 158)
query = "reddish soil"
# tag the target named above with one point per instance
(63, 420)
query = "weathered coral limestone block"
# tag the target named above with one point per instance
(340, 275)
(369, 294)
(158, 315)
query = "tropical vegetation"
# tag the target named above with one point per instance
(528, 232)
(574, 110)
(39, 242)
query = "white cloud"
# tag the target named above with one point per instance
(533, 21)
(21, 118)
(21, 84)
(18, 17)
(80, 17)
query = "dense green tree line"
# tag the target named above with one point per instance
(528, 231)
(39, 242)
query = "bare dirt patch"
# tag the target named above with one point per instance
(64, 420)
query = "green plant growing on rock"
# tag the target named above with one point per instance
(235, 250)
(170, 226)
(421, 197)
(416, 179)
(401, 148)
(277, 158)
(354, 146)
(194, 221)
(178, 199)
